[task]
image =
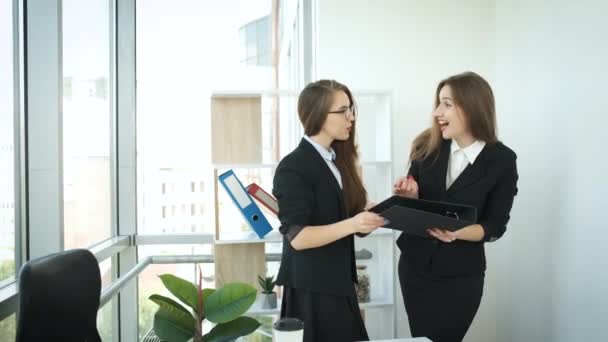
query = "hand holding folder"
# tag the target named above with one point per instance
(415, 216)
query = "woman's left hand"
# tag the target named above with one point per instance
(442, 234)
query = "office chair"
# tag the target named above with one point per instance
(59, 298)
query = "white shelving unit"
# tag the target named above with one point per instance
(374, 122)
(249, 237)
(374, 127)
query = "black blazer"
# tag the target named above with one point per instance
(309, 195)
(489, 184)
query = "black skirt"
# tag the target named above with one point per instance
(441, 309)
(326, 317)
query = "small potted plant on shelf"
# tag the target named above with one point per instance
(224, 307)
(268, 297)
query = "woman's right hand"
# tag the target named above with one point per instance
(406, 186)
(366, 222)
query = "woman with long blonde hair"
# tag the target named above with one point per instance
(458, 160)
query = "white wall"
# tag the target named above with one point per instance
(407, 47)
(547, 64)
(550, 85)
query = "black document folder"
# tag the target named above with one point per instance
(415, 216)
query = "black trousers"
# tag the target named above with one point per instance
(441, 309)
(326, 318)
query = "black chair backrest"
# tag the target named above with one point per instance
(59, 298)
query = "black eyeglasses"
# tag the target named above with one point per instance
(348, 112)
(452, 214)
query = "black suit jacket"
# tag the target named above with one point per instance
(489, 184)
(309, 195)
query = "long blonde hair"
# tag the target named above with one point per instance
(474, 96)
(314, 105)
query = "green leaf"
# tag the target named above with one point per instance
(182, 290)
(229, 302)
(168, 329)
(232, 330)
(206, 294)
(261, 281)
(173, 311)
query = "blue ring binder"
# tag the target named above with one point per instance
(243, 201)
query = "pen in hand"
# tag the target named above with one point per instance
(406, 186)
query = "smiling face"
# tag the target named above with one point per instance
(451, 118)
(340, 118)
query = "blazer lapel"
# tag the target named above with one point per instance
(333, 181)
(439, 166)
(325, 171)
(471, 174)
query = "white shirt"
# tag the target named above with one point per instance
(329, 157)
(460, 158)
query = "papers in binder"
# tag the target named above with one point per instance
(241, 199)
(263, 197)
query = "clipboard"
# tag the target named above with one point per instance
(415, 216)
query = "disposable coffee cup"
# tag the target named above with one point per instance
(288, 330)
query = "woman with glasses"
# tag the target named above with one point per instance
(458, 160)
(321, 206)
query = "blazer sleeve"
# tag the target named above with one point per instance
(498, 206)
(296, 200)
(414, 170)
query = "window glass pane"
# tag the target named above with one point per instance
(263, 37)
(8, 328)
(104, 322)
(243, 42)
(264, 59)
(174, 86)
(104, 315)
(7, 136)
(251, 41)
(105, 268)
(86, 122)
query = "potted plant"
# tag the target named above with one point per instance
(224, 307)
(268, 297)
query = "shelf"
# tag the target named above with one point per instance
(245, 166)
(380, 303)
(257, 310)
(249, 237)
(255, 92)
(290, 92)
(275, 237)
(274, 165)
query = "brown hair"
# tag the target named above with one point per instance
(473, 95)
(314, 103)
